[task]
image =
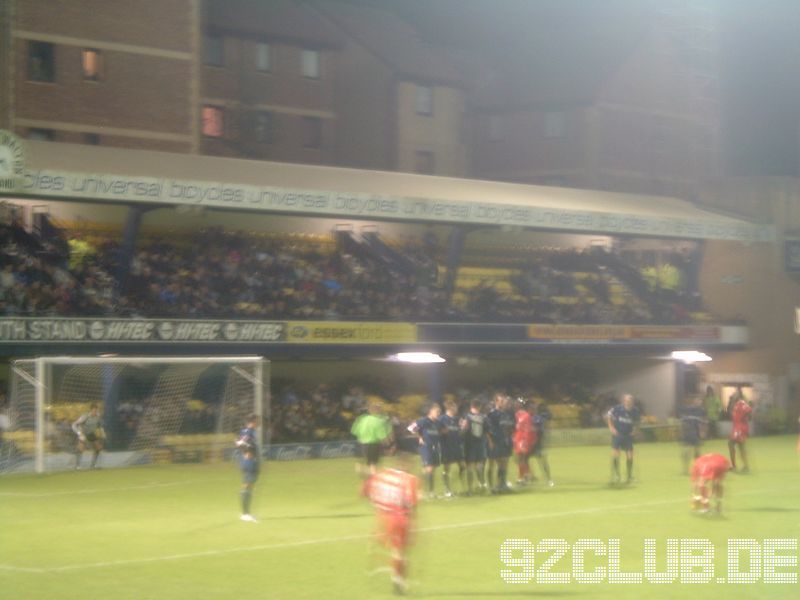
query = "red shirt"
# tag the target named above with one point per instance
(524, 428)
(710, 466)
(392, 491)
(741, 414)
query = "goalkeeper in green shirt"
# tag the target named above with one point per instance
(373, 432)
(89, 429)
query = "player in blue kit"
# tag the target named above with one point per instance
(541, 415)
(475, 444)
(249, 464)
(622, 420)
(694, 424)
(427, 430)
(452, 446)
(499, 428)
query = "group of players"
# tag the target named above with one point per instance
(468, 440)
(480, 444)
(472, 441)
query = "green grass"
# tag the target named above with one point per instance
(173, 532)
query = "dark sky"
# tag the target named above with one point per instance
(759, 56)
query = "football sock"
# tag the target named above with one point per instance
(94, 458)
(629, 465)
(470, 477)
(615, 465)
(481, 473)
(446, 480)
(399, 567)
(501, 477)
(429, 477)
(246, 496)
(545, 467)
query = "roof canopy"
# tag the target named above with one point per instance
(80, 172)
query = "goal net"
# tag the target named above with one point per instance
(152, 409)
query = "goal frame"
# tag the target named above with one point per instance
(42, 384)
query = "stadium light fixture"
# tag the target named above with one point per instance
(417, 357)
(690, 356)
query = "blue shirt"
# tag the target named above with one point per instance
(451, 430)
(692, 417)
(500, 425)
(624, 420)
(540, 420)
(428, 429)
(476, 425)
(249, 438)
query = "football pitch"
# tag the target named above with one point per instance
(173, 532)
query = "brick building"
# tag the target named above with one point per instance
(625, 107)
(102, 72)
(619, 105)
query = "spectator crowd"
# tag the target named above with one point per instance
(219, 274)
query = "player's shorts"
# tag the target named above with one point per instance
(475, 450)
(372, 453)
(500, 449)
(249, 477)
(452, 453)
(93, 437)
(691, 440)
(622, 442)
(431, 455)
(740, 434)
(395, 530)
(538, 447)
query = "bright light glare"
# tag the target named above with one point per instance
(691, 356)
(417, 357)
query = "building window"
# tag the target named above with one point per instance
(93, 139)
(555, 124)
(312, 132)
(91, 64)
(424, 162)
(213, 121)
(41, 62)
(263, 62)
(424, 100)
(310, 64)
(214, 50)
(263, 127)
(41, 135)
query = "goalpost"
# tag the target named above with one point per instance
(154, 409)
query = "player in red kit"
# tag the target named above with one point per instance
(708, 472)
(393, 493)
(524, 439)
(740, 415)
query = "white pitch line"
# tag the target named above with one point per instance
(319, 541)
(348, 538)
